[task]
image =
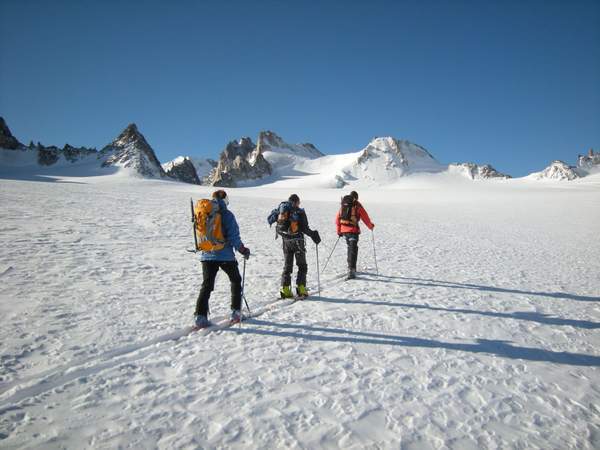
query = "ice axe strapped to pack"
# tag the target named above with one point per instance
(209, 227)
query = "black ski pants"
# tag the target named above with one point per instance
(352, 243)
(294, 248)
(209, 273)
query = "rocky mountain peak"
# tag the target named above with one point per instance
(131, 150)
(182, 169)
(7, 140)
(590, 161)
(399, 155)
(557, 170)
(241, 160)
(476, 172)
(269, 141)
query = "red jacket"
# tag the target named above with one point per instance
(361, 215)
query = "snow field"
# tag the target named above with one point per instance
(481, 330)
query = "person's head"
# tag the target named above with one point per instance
(294, 200)
(354, 195)
(221, 195)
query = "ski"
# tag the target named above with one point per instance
(222, 323)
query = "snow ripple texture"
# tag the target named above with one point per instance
(481, 329)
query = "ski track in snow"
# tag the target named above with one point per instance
(480, 331)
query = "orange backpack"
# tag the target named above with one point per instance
(208, 226)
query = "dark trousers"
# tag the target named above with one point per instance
(294, 248)
(209, 273)
(352, 243)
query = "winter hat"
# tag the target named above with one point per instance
(354, 194)
(219, 195)
(294, 198)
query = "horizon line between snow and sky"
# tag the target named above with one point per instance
(512, 84)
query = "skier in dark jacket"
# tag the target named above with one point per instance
(223, 259)
(292, 225)
(346, 222)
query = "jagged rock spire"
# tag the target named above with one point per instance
(7, 140)
(131, 150)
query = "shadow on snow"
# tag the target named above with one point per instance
(519, 315)
(451, 284)
(488, 346)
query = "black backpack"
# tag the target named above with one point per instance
(348, 211)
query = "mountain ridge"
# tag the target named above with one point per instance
(384, 160)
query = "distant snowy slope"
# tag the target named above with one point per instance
(203, 166)
(280, 154)
(383, 161)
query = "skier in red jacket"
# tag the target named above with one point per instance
(346, 221)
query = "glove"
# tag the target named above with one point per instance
(315, 237)
(372, 226)
(244, 251)
(339, 234)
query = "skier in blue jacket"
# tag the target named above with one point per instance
(223, 259)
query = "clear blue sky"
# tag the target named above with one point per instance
(512, 83)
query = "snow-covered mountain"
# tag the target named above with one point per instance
(557, 170)
(386, 159)
(182, 169)
(383, 162)
(203, 166)
(474, 171)
(280, 154)
(131, 151)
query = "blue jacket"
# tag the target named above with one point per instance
(231, 232)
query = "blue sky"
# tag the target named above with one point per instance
(511, 83)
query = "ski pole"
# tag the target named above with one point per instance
(243, 283)
(329, 257)
(194, 225)
(374, 253)
(318, 274)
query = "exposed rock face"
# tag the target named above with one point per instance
(47, 155)
(477, 172)
(241, 160)
(74, 154)
(269, 141)
(7, 140)
(588, 162)
(182, 169)
(558, 170)
(130, 150)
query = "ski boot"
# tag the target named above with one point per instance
(200, 322)
(286, 292)
(301, 291)
(351, 274)
(236, 316)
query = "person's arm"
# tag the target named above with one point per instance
(338, 224)
(362, 214)
(232, 231)
(304, 227)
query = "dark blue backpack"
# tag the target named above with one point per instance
(286, 218)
